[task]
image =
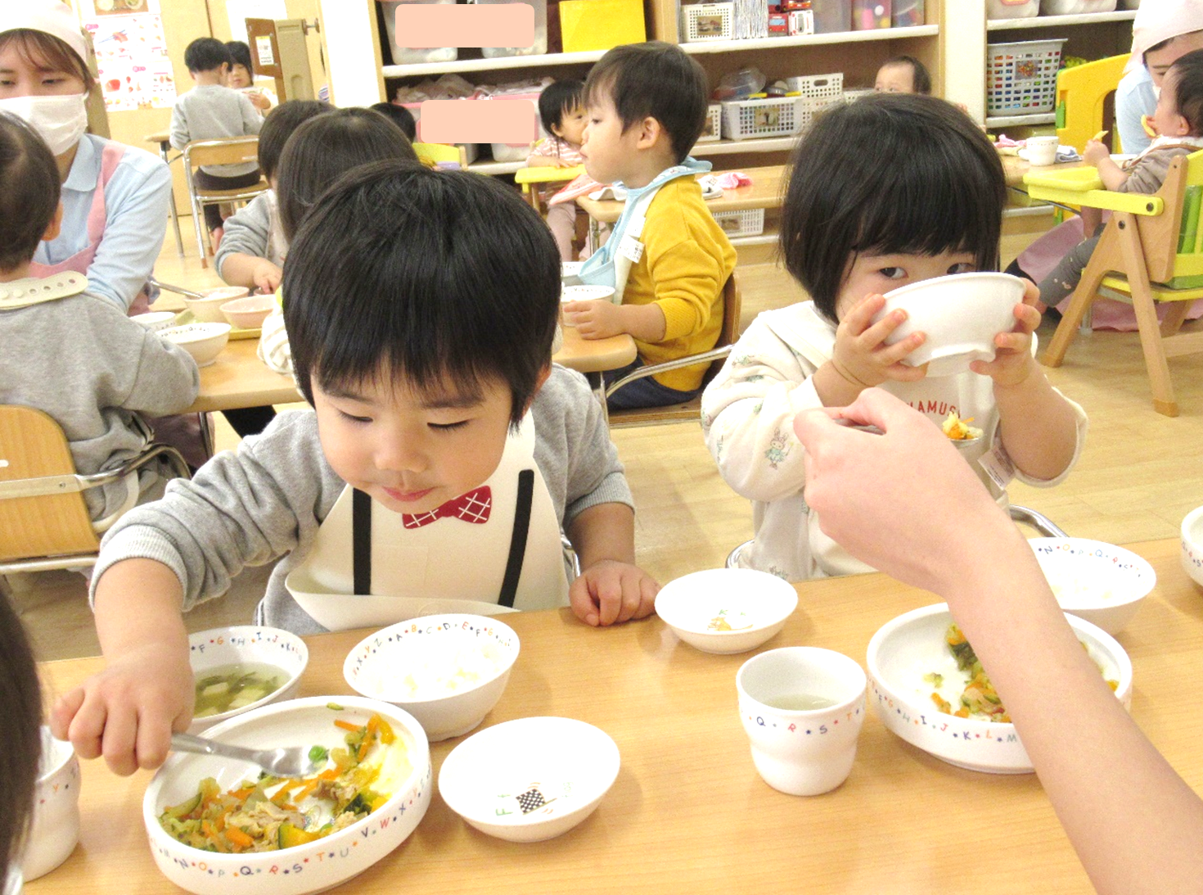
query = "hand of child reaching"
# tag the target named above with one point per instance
(1013, 362)
(610, 591)
(1095, 152)
(126, 713)
(861, 357)
(266, 276)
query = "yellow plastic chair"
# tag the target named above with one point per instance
(1151, 251)
(436, 153)
(528, 177)
(227, 151)
(1082, 92)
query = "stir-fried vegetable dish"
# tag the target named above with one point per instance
(273, 812)
(958, 429)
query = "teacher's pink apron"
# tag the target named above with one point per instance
(181, 432)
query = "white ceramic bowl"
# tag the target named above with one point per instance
(530, 779)
(586, 293)
(1192, 545)
(243, 644)
(249, 312)
(912, 645)
(960, 315)
(570, 268)
(55, 828)
(203, 341)
(1099, 582)
(448, 671)
(726, 610)
(315, 866)
(155, 321)
(208, 309)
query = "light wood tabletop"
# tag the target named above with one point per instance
(594, 355)
(1015, 167)
(688, 812)
(764, 192)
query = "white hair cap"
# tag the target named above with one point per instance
(51, 17)
(1160, 20)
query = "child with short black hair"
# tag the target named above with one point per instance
(210, 111)
(562, 112)
(79, 360)
(667, 259)
(400, 116)
(252, 251)
(1178, 121)
(903, 74)
(890, 190)
(242, 77)
(423, 308)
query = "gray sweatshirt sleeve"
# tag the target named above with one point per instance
(246, 231)
(180, 136)
(248, 507)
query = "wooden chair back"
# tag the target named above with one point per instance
(1082, 93)
(226, 151)
(32, 445)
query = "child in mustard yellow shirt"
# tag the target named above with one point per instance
(667, 258)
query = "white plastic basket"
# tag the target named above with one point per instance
(1021, 78)
(714, 124)
(779, 117)
(748, 222)
(1074, 7)
(818, 91)
(708, 21)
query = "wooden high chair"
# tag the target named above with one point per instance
(692, 409)
(1154, 246)
(44, 521)
(1082, 92)
(226, 151)
(436, 153)
(527, 178)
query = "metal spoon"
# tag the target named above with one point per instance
(291, 762)
(187, 293)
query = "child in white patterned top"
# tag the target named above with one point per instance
(562, 111)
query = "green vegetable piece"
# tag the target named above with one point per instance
(318, 753)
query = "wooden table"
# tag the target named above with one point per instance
(688, 812)
(1015, 167)
(163, 139)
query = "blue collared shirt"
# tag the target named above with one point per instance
(137, 199)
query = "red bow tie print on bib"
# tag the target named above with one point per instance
(472, 507)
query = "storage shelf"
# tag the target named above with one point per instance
(730, 147)
(1086, 18)
(1020, 120)
(459, 66)
(809, 40)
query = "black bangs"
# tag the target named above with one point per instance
(422, 276)
(891, 173)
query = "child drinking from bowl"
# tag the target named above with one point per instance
(443, 456)
(81, 361)
(890, 190)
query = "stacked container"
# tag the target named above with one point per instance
(403, 55)
(538, 48)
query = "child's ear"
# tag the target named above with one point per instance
(543, 377)
(557, 131)
(650, 132)
(55, 226)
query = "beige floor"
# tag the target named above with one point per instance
(1138, 475)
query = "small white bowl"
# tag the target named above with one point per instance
(249, 312)
(314, 866)
(1192, 545)
(960, 315)
(726, 610)
(531, 779)
(1099, 582)
(586, 293)
(55, 828)
(243, 644)
(448, 671)
(203, 341)
(912, 645)
(208, 309)
(155, 321)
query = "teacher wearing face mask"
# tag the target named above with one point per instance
(115, 197)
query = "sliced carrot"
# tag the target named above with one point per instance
(239, 838)
(347, 725)
(386, 732)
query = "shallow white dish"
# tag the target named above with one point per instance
(1192, 545)
(530, 779)
(448, 671)
(242, 644)
(314, 866)
(912, 645)
(203, 341)
(1099, 582)
(155, 321)
(208, 309)
(55, 828)
(960, 315)
(726, 610)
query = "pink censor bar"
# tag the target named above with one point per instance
(421, 25)
(478, 121)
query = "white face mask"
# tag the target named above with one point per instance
(59, 120)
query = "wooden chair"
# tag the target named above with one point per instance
(226, 151)
(1153, 245)
(527, 178)
(435, 154)
(1082, 93)
(692, 409)
(44, 521)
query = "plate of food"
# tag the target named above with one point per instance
(185, 317)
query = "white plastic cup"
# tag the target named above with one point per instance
(799, 749)
(54, 830)
(582, 293)
(1042, 150)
